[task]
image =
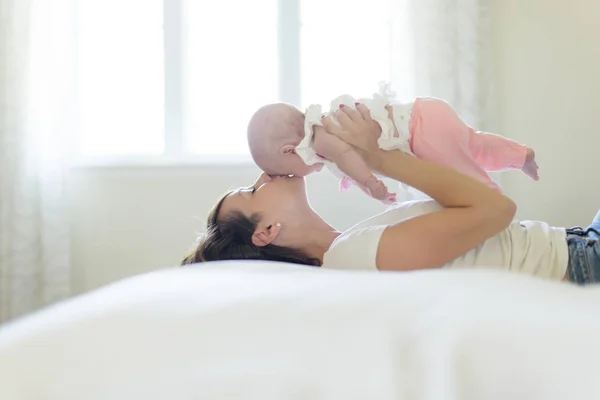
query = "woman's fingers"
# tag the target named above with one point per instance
(338, 131)
(342, 117)
(355, 127)
(330, 126)
(364, 111)
(352, 113)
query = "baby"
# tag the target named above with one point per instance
(284, 141)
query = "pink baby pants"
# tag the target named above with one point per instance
(440, 136)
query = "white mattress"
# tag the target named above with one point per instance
(255, 330)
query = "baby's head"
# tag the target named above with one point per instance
(274, 132)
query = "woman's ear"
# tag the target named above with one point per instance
(264, 236)
(288, 149)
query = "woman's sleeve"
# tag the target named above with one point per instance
(356, 250)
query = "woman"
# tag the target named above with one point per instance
(468, 224)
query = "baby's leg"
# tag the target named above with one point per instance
(440, 136)
(496, 153)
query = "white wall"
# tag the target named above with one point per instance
(547, 56)
(131, 220)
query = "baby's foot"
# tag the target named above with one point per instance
(530, 168)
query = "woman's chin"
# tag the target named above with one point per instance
(296, 183)
(288, 181)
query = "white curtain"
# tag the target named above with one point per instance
(34, 132)
(443, 49)
(451, 54)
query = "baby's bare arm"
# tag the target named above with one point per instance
(347, 159)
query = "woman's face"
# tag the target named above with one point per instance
(278, 200)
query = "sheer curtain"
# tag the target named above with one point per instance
(452, 55)
(443, 48)
(34, 132)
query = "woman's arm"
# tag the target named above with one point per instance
(473, 212)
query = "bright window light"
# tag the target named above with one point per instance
(231, 70)
(181, 78)
(346, 48)
(121, 77)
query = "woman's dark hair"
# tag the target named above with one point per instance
(231, 239)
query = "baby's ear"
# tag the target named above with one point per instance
(288, 149)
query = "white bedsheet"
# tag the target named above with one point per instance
(253, 330)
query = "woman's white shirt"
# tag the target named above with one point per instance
(530, 247)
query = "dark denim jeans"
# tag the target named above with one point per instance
(584, 253)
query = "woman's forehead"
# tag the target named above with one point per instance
(234, 201)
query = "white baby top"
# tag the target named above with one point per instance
(529, 247)
(376, 105)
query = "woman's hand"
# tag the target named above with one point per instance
(357, 128)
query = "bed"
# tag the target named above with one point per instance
(260, 330)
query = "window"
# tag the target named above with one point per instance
(231, 70)
(346, 48)
(183, 77)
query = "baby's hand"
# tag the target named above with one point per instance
(378, 190)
